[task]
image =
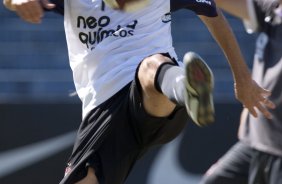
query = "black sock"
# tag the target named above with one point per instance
(169, 81)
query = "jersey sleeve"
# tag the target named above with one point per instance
(200, 7)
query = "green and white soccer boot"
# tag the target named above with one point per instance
(199, 88)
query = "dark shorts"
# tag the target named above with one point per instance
(244, 165)
(116, 134)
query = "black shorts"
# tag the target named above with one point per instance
(244, 165)
(115, 135)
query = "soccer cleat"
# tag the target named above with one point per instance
(199, 87)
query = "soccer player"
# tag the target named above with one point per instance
(257, 157)
(135, 92)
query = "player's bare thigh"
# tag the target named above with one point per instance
(155, 103)
(90, 178)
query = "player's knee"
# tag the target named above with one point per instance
(90, 178)
(148, 69)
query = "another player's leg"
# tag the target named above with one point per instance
(90, 177)
(232, 168)
(265, 168)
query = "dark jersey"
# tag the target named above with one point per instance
(59, 8)
(261, 133)
(200, 7)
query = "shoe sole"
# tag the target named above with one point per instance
(199, 85)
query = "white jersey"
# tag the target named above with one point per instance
(105, 46)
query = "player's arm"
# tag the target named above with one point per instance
(237, 8)
(29, 10)
(243, 9)
(247, 91)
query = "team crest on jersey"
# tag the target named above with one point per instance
(93, 30)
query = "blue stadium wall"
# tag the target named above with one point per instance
(39, 111)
